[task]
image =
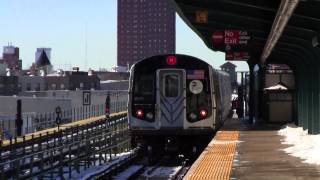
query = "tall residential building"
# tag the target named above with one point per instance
(10, 56)
(145, 28)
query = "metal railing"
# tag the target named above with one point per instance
(38, 121)
(61, 153)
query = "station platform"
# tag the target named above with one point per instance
(243, 151)
(62, 127)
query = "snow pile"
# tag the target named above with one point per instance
(91, 171)
(128, 172)
(304, 145)
(161, 172)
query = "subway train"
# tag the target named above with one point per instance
(176, 103)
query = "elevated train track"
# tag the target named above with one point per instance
(59, 153)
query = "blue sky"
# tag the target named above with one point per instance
(65, 25)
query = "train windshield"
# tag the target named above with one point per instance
(171, 85)
(143, 86)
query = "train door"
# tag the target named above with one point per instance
(171, 98)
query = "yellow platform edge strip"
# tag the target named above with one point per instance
(215, 162)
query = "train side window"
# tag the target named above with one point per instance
(171, 85)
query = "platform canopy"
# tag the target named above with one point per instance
(262, 32)
(263, 19)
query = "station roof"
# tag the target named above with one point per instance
(297, 43)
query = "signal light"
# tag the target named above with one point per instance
(171, 60)
(193, 116)
(203, 113)
(149, 115)
(139, 113)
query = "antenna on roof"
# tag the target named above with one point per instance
(86, 48)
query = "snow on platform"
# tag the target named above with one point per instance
(303, 145)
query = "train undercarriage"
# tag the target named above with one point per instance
(172, 145)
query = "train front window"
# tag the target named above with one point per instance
(143, 97)
(144, 86)
(171, 85)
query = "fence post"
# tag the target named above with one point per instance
(2, 171)
(69, 163)
(61, 163)
(74, 115)
(40, 143)
(54, 139)
(31, 163)
(19, 121)
(32, 146)
(41, 163)
(1, 165)
(51, 163)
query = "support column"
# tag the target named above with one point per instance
(261, 105)
(315, 103)
(251, 93)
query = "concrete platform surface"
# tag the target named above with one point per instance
(258, 155)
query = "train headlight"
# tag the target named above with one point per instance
(203, 113)
(149, 115)
(139, 113)
(193, 116)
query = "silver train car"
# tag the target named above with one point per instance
(176, 102)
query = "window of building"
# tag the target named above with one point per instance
(19, 87)
(53, 86)
(38, 87)
(28, 87)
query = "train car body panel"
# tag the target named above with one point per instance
(171, 96)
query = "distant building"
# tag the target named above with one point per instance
(231, 69)
(9, 85)
(42, 64)
(120, 69)
(40, 51)
(110, 85)
(145, 28)
(69, 80)
(3, 68)
(73, 80)
(10, 56)
(107, 75)
(31, 83)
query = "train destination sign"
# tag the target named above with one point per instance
(237, 56)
